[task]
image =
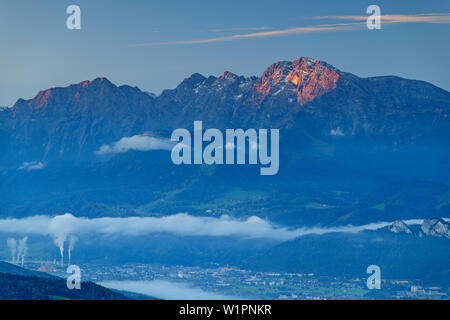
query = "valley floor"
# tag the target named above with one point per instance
(218, 282)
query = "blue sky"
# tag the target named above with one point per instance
(155, 44)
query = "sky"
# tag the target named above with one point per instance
(156, 44)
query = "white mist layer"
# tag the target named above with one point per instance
(136, 143)
(64, 227)
(164, 290)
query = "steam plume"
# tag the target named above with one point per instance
(59, 242)
(22, 250)
(12, 244)
(72, 242)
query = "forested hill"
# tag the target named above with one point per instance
(27, 285)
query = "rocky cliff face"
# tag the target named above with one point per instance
(399, 227)
(430, 227)
(65, 123)
(308, 78)
(436, 228)
(306, 97)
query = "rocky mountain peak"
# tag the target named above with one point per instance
(58, 95)
(307, 77)
(97, 82)
(399, 227)
(429, 227)
(228, 75)
(192, 80)
(41, 99)
(436, 228)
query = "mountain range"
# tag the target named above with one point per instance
(352, 149)
(312, 102)
(429, 227)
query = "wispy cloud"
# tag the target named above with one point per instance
(242, 29)
(337, 132)
(354, 23)
(263, 34)
(32, 166)
(439, 18)
(137, 143)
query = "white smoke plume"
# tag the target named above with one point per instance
(12, 244)
(72, 242)
(59, 242)
(18, 249)
(22, 250)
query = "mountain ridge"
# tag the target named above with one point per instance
(304, 95)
